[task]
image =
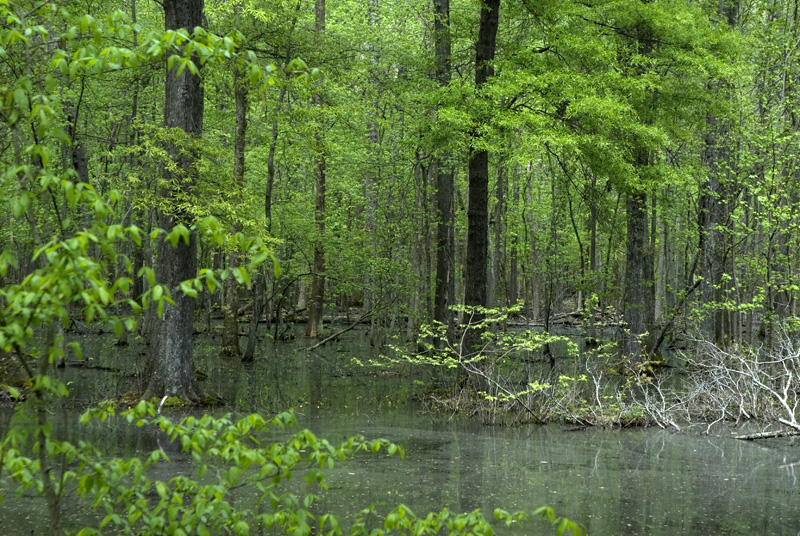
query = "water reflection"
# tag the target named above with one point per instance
(620, 482)
(616, 482)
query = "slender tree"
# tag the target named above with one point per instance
(230, 309)
(318, 280)
(445, 261)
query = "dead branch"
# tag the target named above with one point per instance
(345, 330)
(768, 435)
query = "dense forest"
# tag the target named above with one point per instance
(428, 170)
(630, 161)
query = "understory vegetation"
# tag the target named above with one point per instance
(510, 376)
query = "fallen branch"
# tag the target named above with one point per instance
(789, 424)
(768, 435)
(345, 330)
(63, 363)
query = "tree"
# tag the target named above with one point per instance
(171, 365)
(475, 283)
(318, 279)
(445, 261)
(230, 329)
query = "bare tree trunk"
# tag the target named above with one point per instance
(661, 273)
(478, 195)
(445, 261)
(534, 281)
(513, 270)
(636, 280)
(314, 326)
(497, 242)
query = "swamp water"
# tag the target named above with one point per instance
(615, 482)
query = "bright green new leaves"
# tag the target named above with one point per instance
(402, 520)
(229, 456)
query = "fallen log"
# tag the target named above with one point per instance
(768, 435)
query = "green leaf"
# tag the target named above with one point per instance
(211, 282)
(242, 276)
(116, 324)
(149, 274)
(187, 288)
(21, 204)
(21, 99)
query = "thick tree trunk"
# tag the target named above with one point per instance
(171, 365)
(639, 288)
(716, 203)
(534, 294)
(661, 272)
(478, 196)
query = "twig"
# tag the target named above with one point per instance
(161, 405)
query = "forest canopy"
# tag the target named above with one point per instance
(634, 154)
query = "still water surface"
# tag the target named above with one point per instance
(615, 482)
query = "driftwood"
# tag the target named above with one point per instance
(768, 435)
(775, 433)
(791, 424)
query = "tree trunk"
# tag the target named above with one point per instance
(636, 290)
(445, 262)
(661, 275)
(171, 365)
(497, 241)
(513, 271)
(252, 337)
(318, 280)
(230, 310)
(478, 196)
(716, 203)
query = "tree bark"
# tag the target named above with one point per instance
(171, 365)
(318, 280)
(230, 324)
(445, 262)
(497, 241)
(478, 196)
(639, 289)
(636, 280)
(717, 200)
(513, 271)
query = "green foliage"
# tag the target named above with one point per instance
(245, 464)
(451, 350)
(403, 520)
(495, 359)
(238, 485)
